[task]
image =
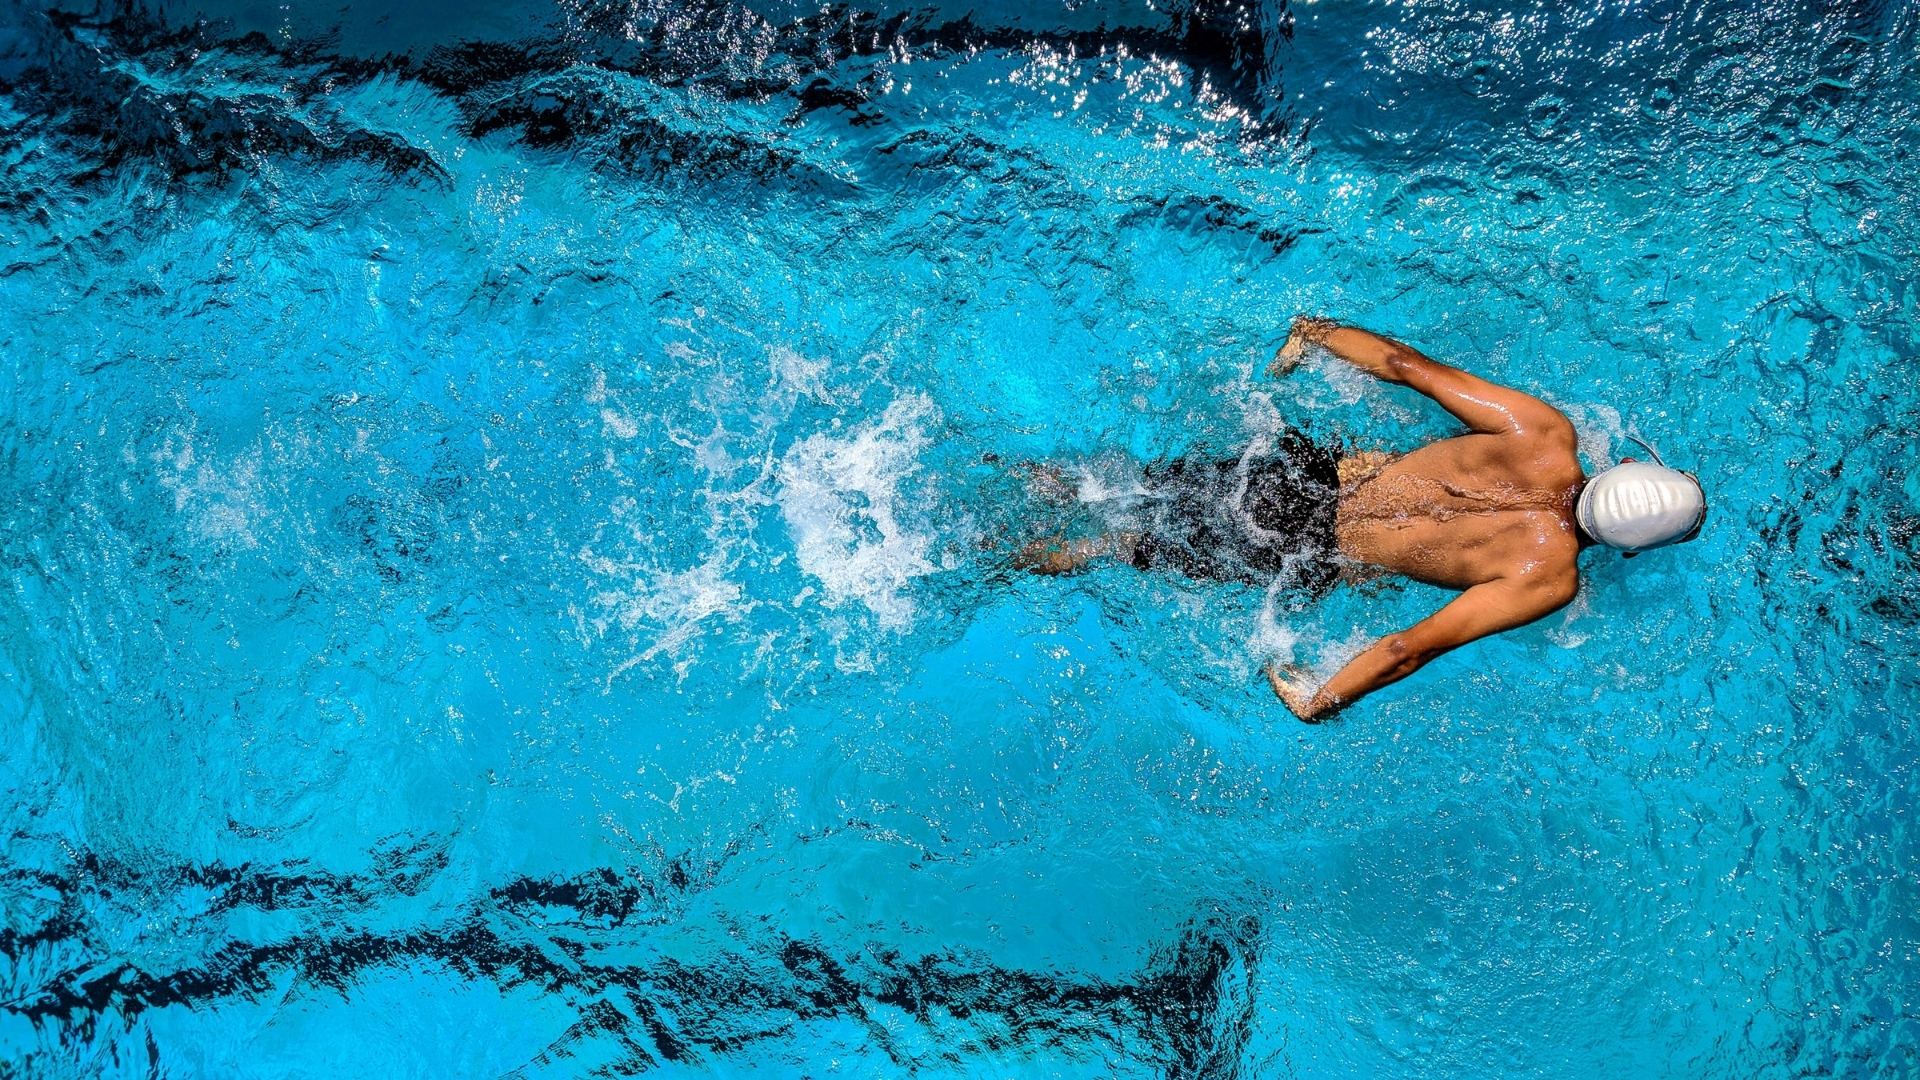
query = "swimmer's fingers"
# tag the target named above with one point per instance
(1305, 331)
(1293, 673)
(1288, 357)
(1289, 682)
(1288, 690)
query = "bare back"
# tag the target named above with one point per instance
(1489, 513)
(1468, 510)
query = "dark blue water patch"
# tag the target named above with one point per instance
(116, 83)
(232, 106)
(1189, 1008)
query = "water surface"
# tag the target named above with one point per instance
(503, 508)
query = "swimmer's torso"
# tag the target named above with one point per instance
(1466, 510)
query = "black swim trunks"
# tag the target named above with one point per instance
(1253, 521)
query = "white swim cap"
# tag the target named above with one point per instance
(1638, 505)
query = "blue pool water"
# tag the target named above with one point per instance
(504, 511)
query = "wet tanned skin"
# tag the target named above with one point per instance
(1489, 513)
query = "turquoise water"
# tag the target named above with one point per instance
(504, 512)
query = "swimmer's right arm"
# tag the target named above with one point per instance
(1481, 405)
(1485, 609)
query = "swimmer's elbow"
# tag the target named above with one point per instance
(1545, 595)
(1398, 362)
(1404, 655)
(1539, 419)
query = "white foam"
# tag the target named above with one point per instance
(1348, 383)
(672, 604)
(841, 497)
(1105, 480)
(1273, 640)
(619, 424)
(1276, 641)
(220, 500)
(798, 374)
(1566, 635)
(1335, 655)
(1261, 420)
(1597, 427)
(613, 418)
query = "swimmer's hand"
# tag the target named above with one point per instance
(1289, 355)
(1306, 330)
(1289, 682)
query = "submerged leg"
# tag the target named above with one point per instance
(1048, 481)
(1062, 556)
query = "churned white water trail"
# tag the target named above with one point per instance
(848, 501)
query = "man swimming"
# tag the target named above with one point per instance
(1500, 513)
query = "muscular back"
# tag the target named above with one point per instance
(1468, 510)
(1488, 513)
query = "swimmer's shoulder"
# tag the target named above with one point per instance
(1544, 582)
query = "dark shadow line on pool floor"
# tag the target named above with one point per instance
(1190, 1008)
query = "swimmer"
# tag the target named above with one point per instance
(1500, 514)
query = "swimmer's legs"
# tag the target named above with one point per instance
(1061, 556)
(1050, 482)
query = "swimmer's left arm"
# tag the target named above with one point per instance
(1483, 406)
(1487, 608)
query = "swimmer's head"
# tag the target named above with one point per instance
(1638, 505)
